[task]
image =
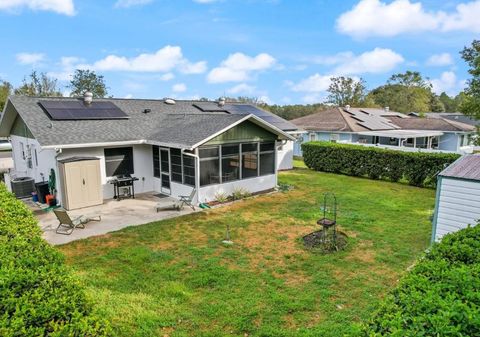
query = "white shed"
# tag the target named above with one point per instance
(458, 197)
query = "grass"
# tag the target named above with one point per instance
(175, 278)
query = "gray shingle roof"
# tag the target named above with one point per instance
(466, 167)
(182, 125)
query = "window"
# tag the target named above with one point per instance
(176, 162)
(22, 151)
(209, 166)
(334, 137)
(165, 167)
(188, 170)
(267, 158)
(312, 137)
(249, 160)
(119, 161)
(156, 161)
(230, 162)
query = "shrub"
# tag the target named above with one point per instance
(240, 193)
(39, 295)
(440, 296)
(417, 168)
(221, 197)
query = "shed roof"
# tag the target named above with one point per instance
(466, 167)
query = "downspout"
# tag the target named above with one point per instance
(197, 170)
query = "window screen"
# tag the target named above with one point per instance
(156, 162)
(230, 162)
(249, 160)
(119, 161)
(176, 162)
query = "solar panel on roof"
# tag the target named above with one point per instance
(77, 110)
(209, 107)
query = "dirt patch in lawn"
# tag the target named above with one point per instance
(362, 252)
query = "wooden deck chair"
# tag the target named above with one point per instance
(68, 224)
(187, 199)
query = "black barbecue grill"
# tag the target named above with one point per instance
(123, 181)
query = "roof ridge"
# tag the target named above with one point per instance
(341, 111)
(456, 124)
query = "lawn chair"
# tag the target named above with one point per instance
(187, 199)
(66, 222)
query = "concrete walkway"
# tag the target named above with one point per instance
(115, 216)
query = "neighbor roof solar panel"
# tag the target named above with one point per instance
(77, 110)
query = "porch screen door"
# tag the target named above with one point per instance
(165, 171)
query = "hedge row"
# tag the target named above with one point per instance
(39, 295)
(440, 296)
(417, 168)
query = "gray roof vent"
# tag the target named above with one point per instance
(87, 97)
(387, 109)
(170, 101)
(146, 111)
(221, 101)
(347, 107)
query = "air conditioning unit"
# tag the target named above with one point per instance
(23, 187)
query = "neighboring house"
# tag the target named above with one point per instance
(454, 116)
(170, 146)
(458, 197)
(384, 128)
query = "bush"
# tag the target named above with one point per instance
(39, 295)
(417, 168)
(440, 296)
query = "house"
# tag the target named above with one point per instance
(454, 116)
(385, 128)
(170, 146)
(458, 197)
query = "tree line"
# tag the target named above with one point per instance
(43, 85)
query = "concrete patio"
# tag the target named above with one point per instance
(115, 216)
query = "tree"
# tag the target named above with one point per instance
(39, 84)
(347, 91)
(471, 104)
(407, 92)
(87, 80)
(5, 91)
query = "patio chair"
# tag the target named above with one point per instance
(68, 224)
(187, 199)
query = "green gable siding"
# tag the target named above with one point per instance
(19, 128)
(244, 132)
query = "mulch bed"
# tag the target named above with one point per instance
(313, 242)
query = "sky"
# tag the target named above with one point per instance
(280, 51)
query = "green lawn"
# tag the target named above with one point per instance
(175, 278)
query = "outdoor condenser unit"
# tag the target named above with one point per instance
(23, 187)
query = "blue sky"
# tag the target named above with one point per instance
(281, 51)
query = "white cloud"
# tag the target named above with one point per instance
(59, 6)
(241, 88)
(167, 77)
(67, 66)
(376, 61)
(448, 83)
(378, 18)
(179, 87)
(30, 58)
(165, 59)
(438, 60)
(315, 83)
(131, 3)
(128, 96)
(239, 67)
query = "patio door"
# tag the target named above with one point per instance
(165, 171)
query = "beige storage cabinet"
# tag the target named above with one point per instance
(81, 182)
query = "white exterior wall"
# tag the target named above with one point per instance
(142, 166)
(45, 159)
(285, 156)
(458, 205)
(257, 184)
